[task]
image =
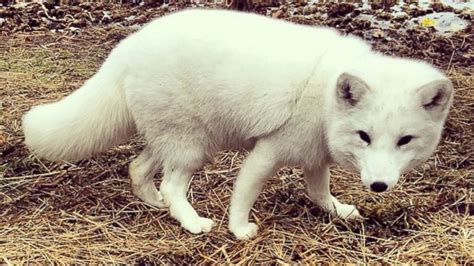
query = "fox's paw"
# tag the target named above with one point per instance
(347, 211)
(245, 232)
(144, 188)
(150, 195)
(199, 225)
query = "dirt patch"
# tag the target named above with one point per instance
(84, 212)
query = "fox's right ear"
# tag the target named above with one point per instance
(436, 97)
(350, 90)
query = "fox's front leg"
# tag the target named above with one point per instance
(257, 168)
(317, 181)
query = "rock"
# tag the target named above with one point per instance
(46, 21)
(49, 4)
(309, 9)
(52, 25)
(341, 9)
(57, 12)
(466, 13)
(440, 7)
(400, 15)
(384, 15)
(34, 22)
(7, 13)
(74, 9)
(142, 19)
(277, 14)
(378, 33)
(85, 6)
(106, 18)
(130, 18)
(80, 23)
(74, 30)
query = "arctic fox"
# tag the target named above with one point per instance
(200, 81)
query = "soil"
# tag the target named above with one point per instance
(82, 212)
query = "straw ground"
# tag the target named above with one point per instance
(83, 212)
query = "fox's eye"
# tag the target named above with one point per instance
(404, 140)
(364, 136)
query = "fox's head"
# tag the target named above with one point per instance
(386, 117)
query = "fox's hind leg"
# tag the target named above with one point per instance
(317, 181)
(142, 171)
(179, 166)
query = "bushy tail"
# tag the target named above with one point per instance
(88, 121)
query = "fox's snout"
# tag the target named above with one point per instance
(379, 182)
(378, 186)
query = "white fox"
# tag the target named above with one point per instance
(197, 82)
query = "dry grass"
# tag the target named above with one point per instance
(84, 212)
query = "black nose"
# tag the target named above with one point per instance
(378, 186)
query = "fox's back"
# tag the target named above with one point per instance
(225, 69)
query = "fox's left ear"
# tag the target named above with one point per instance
(350, 90)
(436, 97)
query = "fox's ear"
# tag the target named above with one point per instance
(436, 97)
(350, 90)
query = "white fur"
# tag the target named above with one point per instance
(197, 82)
(90, 120)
